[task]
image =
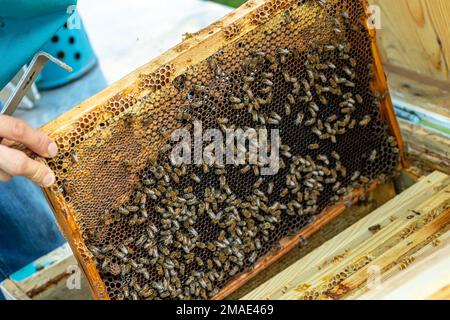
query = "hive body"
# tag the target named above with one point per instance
(143, 227)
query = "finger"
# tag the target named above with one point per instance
(18, 131)
(16, 163)
(4, 177)
(7, 142)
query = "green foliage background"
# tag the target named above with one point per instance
(231, 3)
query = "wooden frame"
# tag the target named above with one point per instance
(392, 237)
(192, 51)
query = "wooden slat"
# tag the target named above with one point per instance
(415, 35)
(426, 149)
(50, 282)
(356, 242)
(428, 278)
(392, 256)
(416, 91)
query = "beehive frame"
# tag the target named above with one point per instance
(85, 121)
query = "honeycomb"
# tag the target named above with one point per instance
(144, 228)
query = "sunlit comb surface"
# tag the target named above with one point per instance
(155, 230)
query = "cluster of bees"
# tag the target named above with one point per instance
(173, 255)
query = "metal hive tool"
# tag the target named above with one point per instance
(142, 228)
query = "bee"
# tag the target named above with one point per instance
(284, 193)
(74, 157)
(287, 17)
(345, 15)
(313, 146)
(119, 254)
(355, 175)
(286, 76)
(366, 120)
(350, 84)
(126, 291)
(392, 141)
(258, 183)
(316, 131)
(222, 120)
(332, 118)
(336, 186)
(310, 122)
(287, 109)
(199, 261)
(323, 158)
(273, 121)
(253, 257)
(255, 170)
(323, 100)
(195, 178)
(306, 86)
(262, 101)
(123, 211)
(333, 138)
(322, 66)
(373, 156)
(235, 100)
(334, 199)
(299, 119)
(199, 89)
(352, 124)
(331, 65)
(291, 99)
(132, 208)
(107, 248)
(123, 249)
(141, 240)
(267, 82)
(359, 99)
(248, 79)
(349, 72)
(264, 90)
(314, 106)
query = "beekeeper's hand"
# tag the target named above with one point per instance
(17, 163)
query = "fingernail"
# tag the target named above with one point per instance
(49, 180)
(52, 149)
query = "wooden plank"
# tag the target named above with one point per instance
(415, 34)
(353, 243)
(414, 91)
(426, 149)
(12, 291)
(363, 258)
(428, 278)
(51, 282)
(392, 256)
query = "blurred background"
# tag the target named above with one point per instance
(124, 37)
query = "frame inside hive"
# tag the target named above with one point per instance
(171, 64)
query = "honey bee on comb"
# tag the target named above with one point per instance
(157, 229)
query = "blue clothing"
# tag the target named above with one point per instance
(27, 226)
